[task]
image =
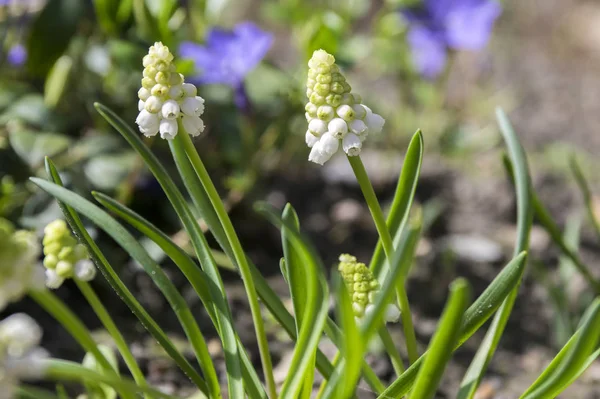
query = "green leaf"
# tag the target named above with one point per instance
(32, 110)
(587, 195)
(57, 81)
(89, 361)
(477, 314)
(122, 291)
(351, 350)
(192, 272)
(156, 273)
(315, 310)
(199, 242)
(575, 357)
(403, 199)
(33, 146)
(51, 33)
(443, 342)
(486, 351)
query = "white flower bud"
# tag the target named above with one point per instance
(374, 122)
(311, 139)
(193, 125)
(19, 333)
(317, 155)
(351, 144)
(329, 144)
(358, 127)
(150, 131)
(168, 129)
(85, 270)
(143, 93)
(189, 90)
(317, 127)
(141, 105)
(359, 111)
(146, 120)
(345, 112)
(153, 104)
(338, 127)
(325, 112)
(170, 109)
(53, 280)
(148, 60)
(29, 366)
(193, 106)
(176, 92)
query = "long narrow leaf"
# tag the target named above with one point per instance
(203, 252)
(443, 342)
(587, 195)
(403, 198)
(315, 315)
(122, 291)
(477, 314)
(518, 162)
(137, 252)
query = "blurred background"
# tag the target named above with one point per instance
(443, 66)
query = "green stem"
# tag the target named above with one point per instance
(113, 330)
(63, 370)
(388, 247)
(55, 307)
(240, 259)
(27, 392)
(392, 351)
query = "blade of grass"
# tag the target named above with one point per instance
(137, 252)
(203, 252)
(475, 316)
(239, 255)
(443, 342)
(193, 273)
(315, 315)
(522, 180)
(587, 195)
(27, 392)
(122, 291)
(572, 360)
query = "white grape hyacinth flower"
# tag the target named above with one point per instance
(21, 357)
(166, 102)
(334, 112)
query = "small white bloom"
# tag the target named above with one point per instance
(168, 129)
(317, 155)
(19, 333)
(359, 111)
(345, 112)
(85, 270)
(189, 90)
(338, 127)
(143, 94)
(153, 104)
(53, 280)
(176, 92)
(358, 127)
(193, 125)
(374, 122)
(392, 313)
(325, 112)
(193, 106)
(141, 105)
(147, 120)
(170, 109)
(329, 144)
(317, 127)
(148, 60)
(351, 144)
(29, 366)
(311, 139)
(150, 131)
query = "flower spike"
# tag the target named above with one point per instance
(165, 98)
(336, 117)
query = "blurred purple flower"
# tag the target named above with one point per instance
(17, 55)
(228, 56)
(439, 25)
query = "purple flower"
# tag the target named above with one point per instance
(439, 25)
(228, 56)
(17, 55)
